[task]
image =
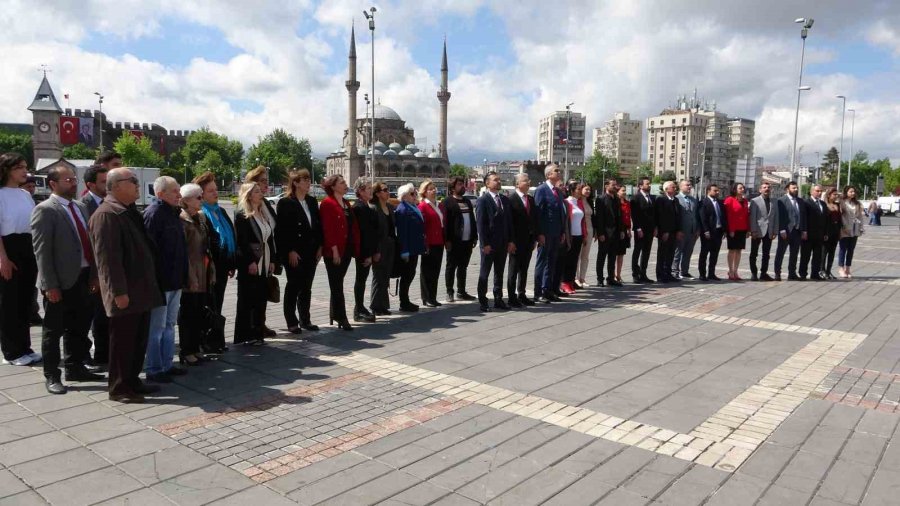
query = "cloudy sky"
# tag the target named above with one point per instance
(244, 68)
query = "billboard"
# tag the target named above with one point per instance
(86, 133)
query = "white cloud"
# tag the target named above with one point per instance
(631, 56)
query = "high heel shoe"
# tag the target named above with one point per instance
(186, 360)
(343, 325)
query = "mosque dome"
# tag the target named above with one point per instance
(434, 154)
(362, 151)
(421, 154)
(384, 112)
(396, 146)
(380, 145)
(390, 153)
(412, 147)
(405, 152)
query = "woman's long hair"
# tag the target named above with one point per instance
(244, 199)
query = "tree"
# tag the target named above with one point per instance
(318, 169)
(280, 151)
(137, 152)
(17, 142)
(79, 152)
(597, 168)
(206, 150)
(645, 169)
(458, 169)
(829, 166)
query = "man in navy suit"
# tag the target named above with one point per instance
(552, 217)
(713, 224)
(643, 222)
(525, 233)
(493, 214)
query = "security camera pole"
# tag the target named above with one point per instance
(807, 24)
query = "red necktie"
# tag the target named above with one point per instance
(525, 201)
(82, 234)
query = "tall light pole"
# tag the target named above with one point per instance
(370, 15)
(568, 116)
(807, 24)
(841, 153)
(852, 124)
(371, 142)
(100, 96)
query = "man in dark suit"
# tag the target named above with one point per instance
(553, 222)
(95, 181)
(461, 236)
(791, 230)
(127, 272)
(668, 231)
(67, 276)
(494, 218)
(526, 228)
(609, 229)
(816, 216)
(713, 225)
(643, 222)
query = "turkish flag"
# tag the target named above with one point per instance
(68, 130)
(137, 134)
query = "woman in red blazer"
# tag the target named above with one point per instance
(434, 243)
(737, 213)
(337, 244)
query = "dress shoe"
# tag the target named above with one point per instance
(687, 275)
(713, 277)
(428, 303)
(649, 281)
(363, 316)
(514, 303)
(94, 368)
(55, 386)
(544, 299)
(465, 296)
(817, 278)
(525, 301)
(143, 388)
(267, 332)
(309, 326)
(553, 297)
(766, 277)
(451, 297)
(295, 329)
(754, 277)
(777, 277)
(127, 398)
(83, 375)
(408, 307)
(613, 282)
(793, 277)
(435, 303)
(381, 312)
(177, 371)
(501, 305)
(159, 377)
(484, 307)
(703, 278)
(637, 280)
(560, 294)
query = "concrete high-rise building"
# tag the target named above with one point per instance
(552, 138)
(748, 172)
(675, 141)
(620, 139)
(718, 167)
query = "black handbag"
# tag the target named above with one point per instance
(273, 292)
(214, 321)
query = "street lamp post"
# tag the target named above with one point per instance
(852, 124)
(841, 153)
(568, 116)
(371, 143)
(807, 24)
(100, 97)
(370, 15)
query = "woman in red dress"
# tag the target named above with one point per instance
(337, 244)
(737, 213)
(434, 243)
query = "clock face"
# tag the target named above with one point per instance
(44, 127)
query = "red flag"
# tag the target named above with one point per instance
(137, 134)
(66, 96)
(68, 130)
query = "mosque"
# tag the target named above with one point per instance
(398, 160)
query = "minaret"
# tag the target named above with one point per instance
(352, 87)
(443, 97)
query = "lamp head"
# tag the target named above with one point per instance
(804, 88)
(800, 20)
(841, 96)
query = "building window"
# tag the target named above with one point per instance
(660, 163)
(682, 146)
(671, 164)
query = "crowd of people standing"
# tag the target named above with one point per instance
(131, 278)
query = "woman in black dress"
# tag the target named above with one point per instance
(298, 236)
(383, 264)
(255, 252)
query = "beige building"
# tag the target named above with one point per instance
(676, 140)
(620, 139)
(718, 167)
(552, 138)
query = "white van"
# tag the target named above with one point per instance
(889, 205)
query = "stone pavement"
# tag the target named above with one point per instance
(717, 393)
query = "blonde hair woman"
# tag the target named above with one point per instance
(255, 247)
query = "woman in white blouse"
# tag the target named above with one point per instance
(578, 231)
(851, 229)
(18, 267)
(255, 247)
(586, 191)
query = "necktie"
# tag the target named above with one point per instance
(82, 235)
(718, 217)
(497, 201)
(555, 193)
(525, 201)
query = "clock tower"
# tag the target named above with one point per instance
(45, 113)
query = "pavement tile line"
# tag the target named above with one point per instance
(587, 421)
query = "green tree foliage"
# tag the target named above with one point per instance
(645, 169)
(207, 150)
(458, 169)
(137, 152)
(79, 152)
(597, 168)
(318, 169)
(17, 142)
(829, 166)
(280, 151)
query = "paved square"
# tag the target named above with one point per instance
(723, 393)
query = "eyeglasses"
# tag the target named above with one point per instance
(69, 179)
(132, 179)
(303, 178)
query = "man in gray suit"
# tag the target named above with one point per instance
(763, 229)
(67, 276)
(690, 228)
